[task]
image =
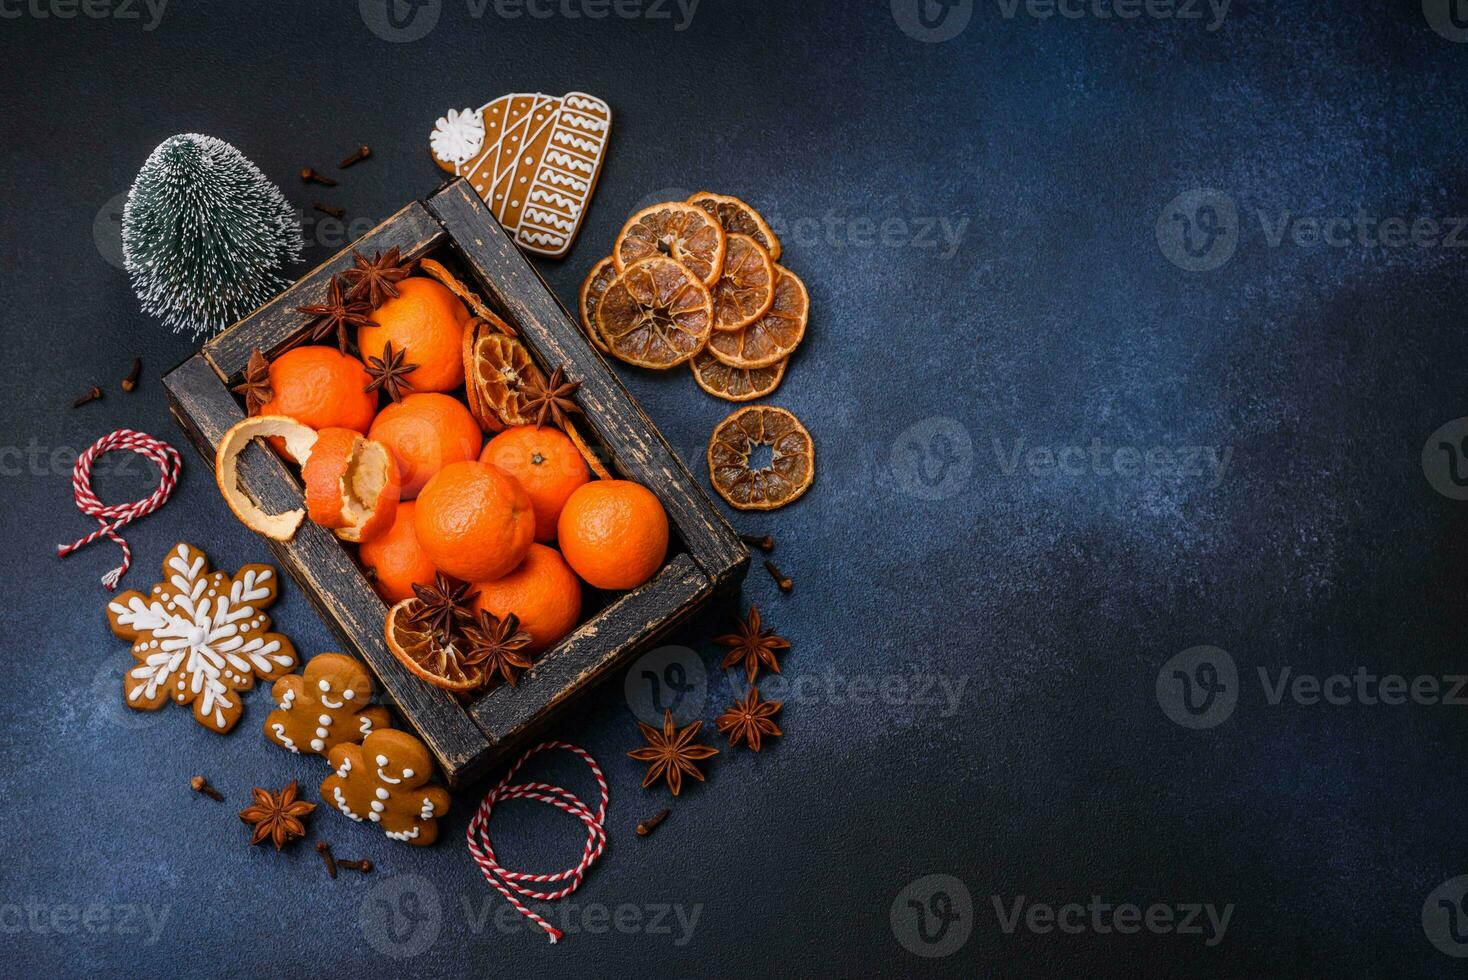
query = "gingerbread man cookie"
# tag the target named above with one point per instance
(384, 780)
(325, 706)
(199, 637)
(533, 158)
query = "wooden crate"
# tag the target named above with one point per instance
(706, 556)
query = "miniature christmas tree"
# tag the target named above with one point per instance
(204, 233)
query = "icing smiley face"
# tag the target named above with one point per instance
(383, 781)
(324, 707)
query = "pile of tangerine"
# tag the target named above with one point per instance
(449, 458)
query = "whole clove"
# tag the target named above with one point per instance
(361, 153)
(135, 372)
(781, 579)
(90, 395)
(310, 176)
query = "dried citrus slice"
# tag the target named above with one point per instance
(792, 464)
(746, 290)
(675, 230)
(773, 336)
(420, 650)
(497, 369)
(738, 218)
(736, 384)
(657, 314)
(592, 290)
(299, 440)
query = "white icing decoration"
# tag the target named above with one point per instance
(347, 695)
(324, 685)
(403, 834)
(385, 777)
(198, 636)
(341, 803)
(366, 724)
(317, 745)
(378, 806)
(285, 739)
(323, 719)
(328, 702)
(427, 812)
(457, 135)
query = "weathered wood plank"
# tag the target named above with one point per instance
(277, 323)
(638, 448)
(508, 715)
(326, 574)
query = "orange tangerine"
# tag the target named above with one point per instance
(548, 466)
(614, 533)
(426, 431)
(320, 387)
(474, 521)
(351, 485)
(427, 321)
(542, 591)
(395, 558)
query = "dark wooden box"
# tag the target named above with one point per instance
(454, 227)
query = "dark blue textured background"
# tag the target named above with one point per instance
(1053, 599)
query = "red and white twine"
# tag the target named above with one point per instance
(114, 516)
(508, 883)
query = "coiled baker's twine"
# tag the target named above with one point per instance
(507, 883)
(114, 516)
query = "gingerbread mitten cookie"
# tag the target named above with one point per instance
(199, 637)
(384, 780)
(324, 706)
(533, 158)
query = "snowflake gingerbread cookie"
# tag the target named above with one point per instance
(201, 637)
(325, 706)
(384, 780)
(533, 158)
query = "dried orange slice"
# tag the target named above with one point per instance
(657, 314)
(773, 336)
(497, 369)
(674, 230)
(792, 464)
(736, 384)
(420, 650)
(592, 290)
(299, 440)
(738, 218)
(746, 290)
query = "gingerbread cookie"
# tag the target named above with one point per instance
(199, 637)
(324, 707)
(533, 158)
(384, 780)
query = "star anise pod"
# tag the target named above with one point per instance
(256, 385)
(389, 373)
(551, 400)
(276, 817)
(441, 606)
(749, 719)
(337, 315)
(497, 644)
(376, 281)
(753, 645)
(672, 753)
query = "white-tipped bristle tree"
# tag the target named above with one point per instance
(205, 234)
